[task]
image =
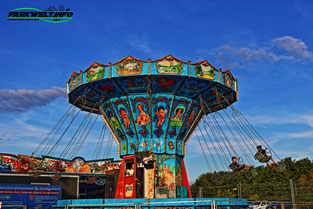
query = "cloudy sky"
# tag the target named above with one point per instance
(267, 45)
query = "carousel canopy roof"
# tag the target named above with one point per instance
(165, 76)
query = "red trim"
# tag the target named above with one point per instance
(185, 179)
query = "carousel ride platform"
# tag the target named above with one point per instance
(178, 203)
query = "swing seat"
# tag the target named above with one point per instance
(254, 173)
(232, 175)
(262, 158)
(216, 178)
(281, 168)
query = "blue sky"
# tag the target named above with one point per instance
(267, 45)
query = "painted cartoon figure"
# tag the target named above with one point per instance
(160, 116)
(177, 119)
(113, 121)
(143, 118)
(178, 112)
(125, 117)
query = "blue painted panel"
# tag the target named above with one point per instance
(192, 71)
(154, 70)
(161, 107)
(140, 105)
(87, 201)
(191, 116)
(177, 117)
(184, 70)
(114, 71)
(111, 116)
(91, 95)
(144, 69)
(124, 112)
(107, 87)
(166, 83)
(194, 86)
(64, 202)
(134, 85)
(216, 76)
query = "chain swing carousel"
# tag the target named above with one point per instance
(152, 108)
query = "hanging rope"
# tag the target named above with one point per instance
(252, 129)
(223, 158)
(73, 119)
(216, 150)
(99, 143)
(205, 157)
(78, 130)
(75, 136)
(52, 130)
(220, 131)
(230, 130)
(208, 148)
(80, 145)
(108, 147)
(49, 144)
(55, 130)
(81, 136)
(218, 136)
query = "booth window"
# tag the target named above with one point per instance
(129, 167)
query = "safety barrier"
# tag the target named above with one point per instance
(197, 203)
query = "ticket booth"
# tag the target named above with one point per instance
(126, 187)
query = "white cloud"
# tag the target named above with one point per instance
(296, 47)
(306, 119)
(247, 53)
(140, 43)
(277, 49)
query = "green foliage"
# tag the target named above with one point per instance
(267, 185)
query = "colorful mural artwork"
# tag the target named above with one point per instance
(228, 79)
(95, 72)
(169, 65)
(170, 177)
(74, 81)
(194, 111)
(205, 70)
(28, 164)
(129, 66)
(180, 107)
(161, 109)
(125, 117)
(141, 111)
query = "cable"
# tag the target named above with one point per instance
(205, 157)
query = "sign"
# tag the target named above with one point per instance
(31, 195)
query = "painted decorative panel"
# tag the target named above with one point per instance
(161, 107)
(192, 114)
(124, 112)
(141, 110)
(178, 113)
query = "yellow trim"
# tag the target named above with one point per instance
(186, 137)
